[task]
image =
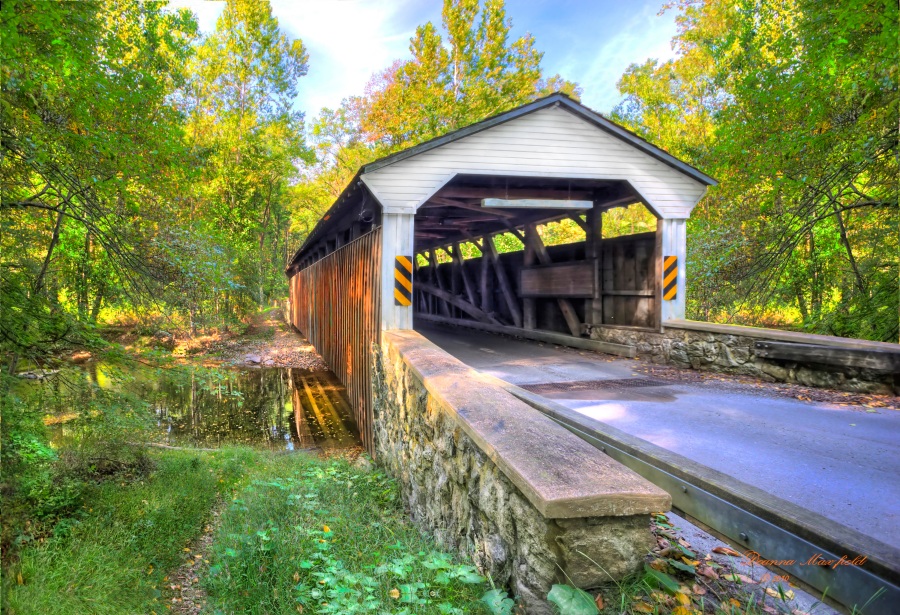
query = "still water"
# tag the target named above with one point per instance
(273, 408)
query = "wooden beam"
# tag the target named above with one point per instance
(485, 289)
(593, 236)
(461, 264)
(529, 306)
(458, 302)
(565, 305)
(436, 276)
(577, 220)
(515, 193)
(516, 232)
(438, 201)
(508, 294)
(619, 202)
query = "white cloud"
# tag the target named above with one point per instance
(350, 40)
(646, 35)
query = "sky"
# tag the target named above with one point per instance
(590, 42)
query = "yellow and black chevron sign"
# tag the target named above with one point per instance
(670, 277)
(403, 280)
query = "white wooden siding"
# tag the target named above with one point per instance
(551, 142)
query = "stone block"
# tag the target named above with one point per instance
(494, 480)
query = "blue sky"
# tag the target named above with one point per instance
(591, 42)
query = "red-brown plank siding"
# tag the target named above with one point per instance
(335, 303)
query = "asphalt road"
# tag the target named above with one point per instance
(841, 462)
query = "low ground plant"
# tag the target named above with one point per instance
(323, 537)
(113, 554)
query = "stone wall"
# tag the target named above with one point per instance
(496, 481)
(734, 354)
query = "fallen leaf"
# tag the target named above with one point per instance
(708, 572)
(394, 593)
(296, 577)
(681, 610)
(727, 551)
(690, 562)
(698, 590)
(642, 607)
(781, 595)
(684, 543)
(770, 610)
(19, 579)
(599, 602)
(326, 529)
(734, 603)
(683, 599)
(659, 564)
(739, 578)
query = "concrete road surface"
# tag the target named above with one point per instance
(841, 462)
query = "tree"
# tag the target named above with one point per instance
(244, 125)
(794, 108)
(90, 140)
(473, 73)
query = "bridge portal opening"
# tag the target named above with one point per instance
(531, 253)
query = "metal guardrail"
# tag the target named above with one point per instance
(750, 518)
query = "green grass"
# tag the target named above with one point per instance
(327, 538)
(271, 552)
(112, 556)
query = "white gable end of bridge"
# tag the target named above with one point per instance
(550, 142)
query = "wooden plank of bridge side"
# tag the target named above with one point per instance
(618, 272)
(505, 286)
(485, 290)
(529, 306)
(593, 231)
(436, 278)
(568, 310)
(642, 270)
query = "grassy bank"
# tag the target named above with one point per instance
(317, 537)
(297, 534)
(114, 554)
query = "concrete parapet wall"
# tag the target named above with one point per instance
(731, 349)
(493, 479)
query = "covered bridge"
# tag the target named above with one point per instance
(388, 252)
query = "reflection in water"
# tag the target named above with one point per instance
(275, 408)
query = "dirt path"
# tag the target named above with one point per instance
(268, 342)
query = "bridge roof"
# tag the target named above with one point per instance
(556, 99)
(363, 190)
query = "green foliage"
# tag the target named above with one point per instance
(793, 107)
(572, 601)
(90, 143)
(94, 440)
(113, 555)
(472, 72)
(332, 540)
